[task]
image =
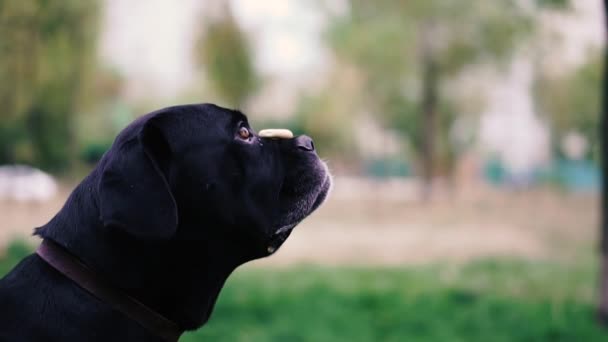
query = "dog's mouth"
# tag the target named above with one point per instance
(307, 197)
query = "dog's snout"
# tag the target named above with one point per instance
(304, 142)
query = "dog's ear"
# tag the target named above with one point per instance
(134, 192)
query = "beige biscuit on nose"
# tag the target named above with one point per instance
(276, 133)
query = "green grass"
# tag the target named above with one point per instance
(12, 255)
(496, 300)
(484, 301)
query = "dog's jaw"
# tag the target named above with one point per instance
(316, 194)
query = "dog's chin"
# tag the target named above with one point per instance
(313, 194)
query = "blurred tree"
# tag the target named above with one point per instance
(224, 53)
(408, 50)
(571, 102)
(324, 119)
(553, 4)
(325, 115)
(47, 54)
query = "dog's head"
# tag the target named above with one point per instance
(184, 196)
(197, 172)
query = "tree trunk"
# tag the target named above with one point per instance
(430, 117)
(603, 295)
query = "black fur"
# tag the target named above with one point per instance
(176, 204)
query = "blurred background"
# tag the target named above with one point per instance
(463, 136)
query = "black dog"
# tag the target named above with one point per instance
(183, 197)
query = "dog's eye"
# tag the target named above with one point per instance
(244, 133)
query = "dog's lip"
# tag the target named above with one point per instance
(279, 237)
(285, 228)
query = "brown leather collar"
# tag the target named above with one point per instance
(74, 269)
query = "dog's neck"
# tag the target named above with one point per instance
(180, 282)
(73, 269)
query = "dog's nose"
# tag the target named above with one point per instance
(304, 142)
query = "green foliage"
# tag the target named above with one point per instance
(224, 52)
(318, 117)
(16, 251)
(92, 152)
(47, 53)
(328, 122)
(327, 115)
(393, 44)
(409, 122)
(554, 4)
(571, 102)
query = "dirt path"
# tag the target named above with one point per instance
(373, 230)
(369, 224)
